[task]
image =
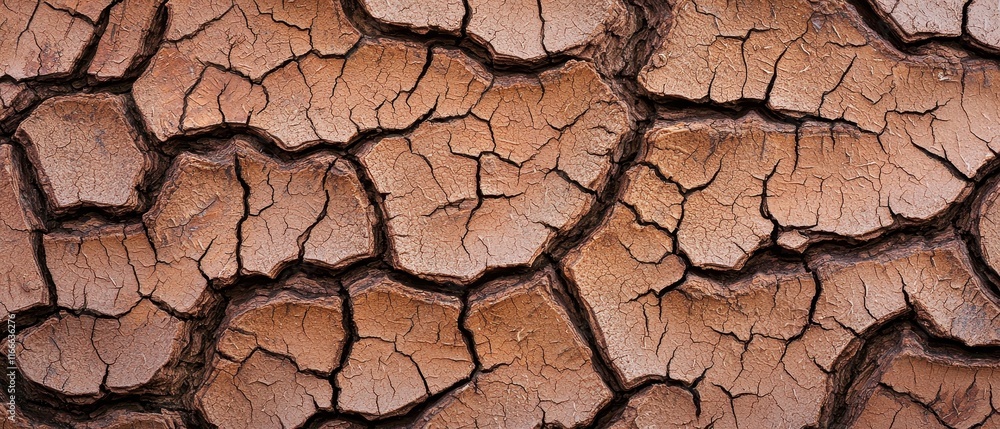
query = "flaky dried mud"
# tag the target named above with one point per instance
(484, 213)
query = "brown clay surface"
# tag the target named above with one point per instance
(500, 213)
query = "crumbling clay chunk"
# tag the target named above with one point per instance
(410, 347)
(494, 188)
(419, 15)
(86, 152)
(537, 369)
(46, 37)
(15, 98)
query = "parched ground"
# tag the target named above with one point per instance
(270, 214)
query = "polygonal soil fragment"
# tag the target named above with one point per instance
(269, 349)
(524, 31)
(86, 152)
(214, 70)
(306, 330)
(103, 269)
(737, 336)
(622, 260)
(916, 385)
(60, 354)
(852, 183)
(420, 16)
(45, 37)
(935, 278)
(981, 23)
(917, 20)
(193, 228)
(314, 207)
(84, 357)
(24, 285)
(262, 391)
(727, 163)
(124, 39)
(749, 174)
(818, 59)
(492, 189)
(537, 369)
(410, 347)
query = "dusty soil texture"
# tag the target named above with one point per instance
(344, 214)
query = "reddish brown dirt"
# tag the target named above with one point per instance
(344, 214)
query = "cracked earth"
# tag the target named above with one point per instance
(501, 213)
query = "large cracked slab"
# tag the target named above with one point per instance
(308, 331)
(86, 152)
(192, 227)
(537, 370)
(46, 37)
(918, 385)
(313, 208)
(263, 391)
(504, 181)
(744, 178)
(85, 357)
